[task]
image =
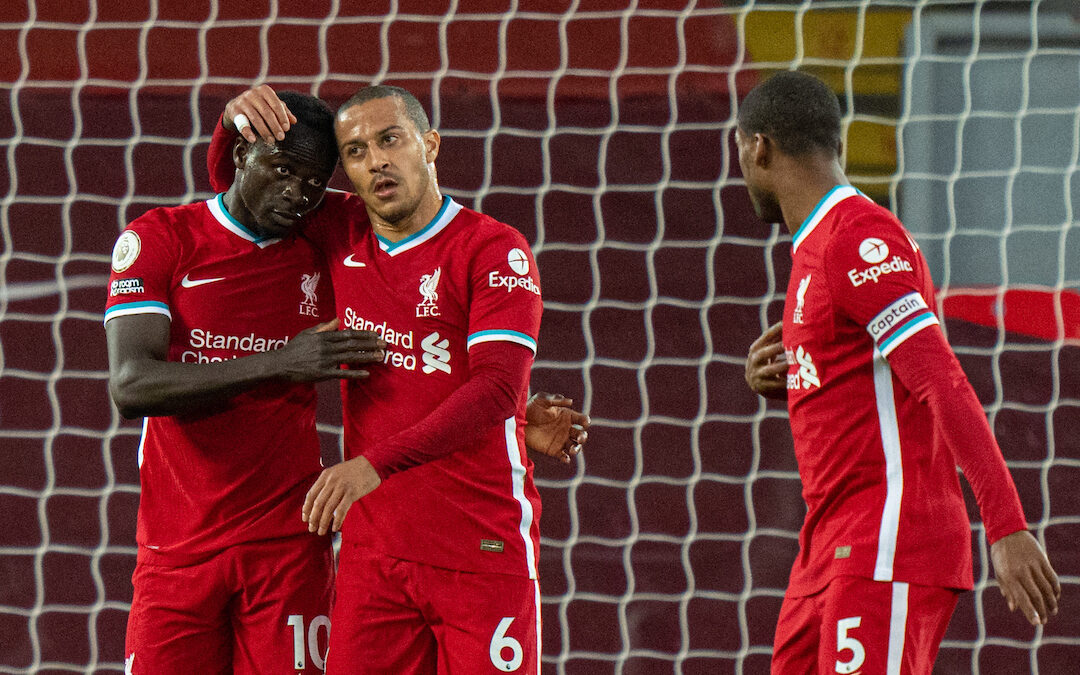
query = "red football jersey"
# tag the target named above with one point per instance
(463, 280)
(879, 478)
(240, 473)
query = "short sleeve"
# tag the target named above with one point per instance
(506, 303)
(878, 279)
(143, 263)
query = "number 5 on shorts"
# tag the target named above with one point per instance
(501, 641)
(843, 641)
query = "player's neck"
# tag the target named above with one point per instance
(426, 212)
(236, 208)
(806, 190)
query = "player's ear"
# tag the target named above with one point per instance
(763, 149)
(432, 142)
(240, 151)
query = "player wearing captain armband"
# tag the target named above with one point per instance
(881, 414)
(440, 543)
(219, 319)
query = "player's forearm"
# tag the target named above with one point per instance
(926, 366)
(496, 384)
(219, 158)
(149, 388)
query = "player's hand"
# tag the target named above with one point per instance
(1025, 576)
(319, 352)
(553, 428)
(335, 491)
(766, 365)
(269, 116)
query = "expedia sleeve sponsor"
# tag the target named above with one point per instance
(875, 272)
(496, 280)
(126, 286)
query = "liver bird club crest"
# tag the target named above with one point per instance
(309, 306)
(429, 290)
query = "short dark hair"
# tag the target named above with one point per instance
(796, 110)
(309, 110)
(314, 126)
(413, 108)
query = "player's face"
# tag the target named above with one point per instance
(766, 206)
(280, 184)
(390, 162)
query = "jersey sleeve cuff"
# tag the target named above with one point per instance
(501, 336)
(131, 308)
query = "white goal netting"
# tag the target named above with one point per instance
(603, 130)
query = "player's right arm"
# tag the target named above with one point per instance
(138, 326)
(142, 382)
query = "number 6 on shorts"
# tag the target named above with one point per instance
(500, 641)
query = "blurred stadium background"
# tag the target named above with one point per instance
(603, 130)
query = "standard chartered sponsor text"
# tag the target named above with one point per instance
(199, 339)
(397, 359)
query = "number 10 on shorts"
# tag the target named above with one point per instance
(308, 639)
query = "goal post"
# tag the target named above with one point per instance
(603, 130)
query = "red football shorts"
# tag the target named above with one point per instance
(255, 608)
(857, 625)
(397, 617)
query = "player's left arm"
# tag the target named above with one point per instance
(926, 366)
(891, 305)
(498, 374)
(503, 322)
(554, 428)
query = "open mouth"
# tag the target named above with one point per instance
(384, 187)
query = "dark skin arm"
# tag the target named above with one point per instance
(143, 383)
(766, 365)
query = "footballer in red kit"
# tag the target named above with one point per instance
(881, 414)
(461, 289)
(438, 564)
(457, 300)
(200, 269)
(859, 289)
(217, 324)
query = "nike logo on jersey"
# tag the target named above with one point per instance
(188, 282)
(349, 262)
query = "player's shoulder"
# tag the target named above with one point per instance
(170, 223)
(860, 217)
(482, 229)
(339, 213)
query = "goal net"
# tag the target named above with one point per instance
(602, 129)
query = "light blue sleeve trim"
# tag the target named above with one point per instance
(130, 308)
(916, 324)
(501, 336)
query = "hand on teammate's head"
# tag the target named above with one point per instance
(268, 116)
